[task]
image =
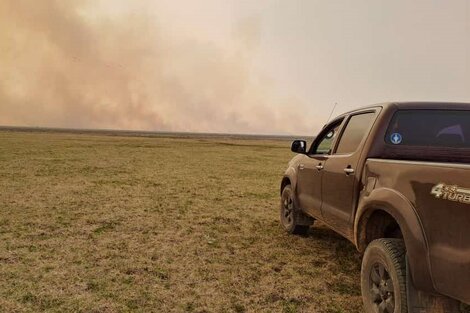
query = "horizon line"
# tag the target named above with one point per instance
(131, 132)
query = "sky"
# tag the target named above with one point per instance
(258, 67)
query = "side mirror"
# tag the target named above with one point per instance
(299, 146)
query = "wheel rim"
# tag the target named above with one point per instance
(287, 210)
(381, 289)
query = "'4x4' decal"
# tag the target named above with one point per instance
(451, 193)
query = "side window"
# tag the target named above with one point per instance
(355, 131)
(325, 144)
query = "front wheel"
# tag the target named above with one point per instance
(293, 220)
(383, 277)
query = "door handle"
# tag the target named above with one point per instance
(319, 167)
(349, 170)
(301, 166)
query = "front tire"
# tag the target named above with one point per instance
(293, 220)
(383, 277)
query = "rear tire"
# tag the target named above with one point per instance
(383, 277)
(292, 219)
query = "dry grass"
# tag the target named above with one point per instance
(121, 224)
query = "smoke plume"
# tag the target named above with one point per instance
(65, 64)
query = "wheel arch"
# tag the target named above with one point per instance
(285, 181)
(392, 203)
(289, 178)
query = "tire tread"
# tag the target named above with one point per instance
(302, 222)
(396, 251)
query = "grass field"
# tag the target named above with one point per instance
(127, 224)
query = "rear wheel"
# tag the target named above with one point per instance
(383, 277)
(293, 220)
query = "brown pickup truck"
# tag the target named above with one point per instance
(394, 179)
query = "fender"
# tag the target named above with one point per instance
(401, 209)
(291, 175)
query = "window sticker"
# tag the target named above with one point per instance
(396, 138)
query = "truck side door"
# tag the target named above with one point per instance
(310, 173)
(341, 178)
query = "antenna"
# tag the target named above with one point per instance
(332, 110)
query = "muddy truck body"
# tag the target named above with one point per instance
(394, 179)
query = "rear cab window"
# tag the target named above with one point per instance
(440, 135)
(436, 128)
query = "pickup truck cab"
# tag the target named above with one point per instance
(394, 179)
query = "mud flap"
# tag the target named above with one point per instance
(423, 302)
(304, 219)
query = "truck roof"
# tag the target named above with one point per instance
(411, 105)
(416, 105)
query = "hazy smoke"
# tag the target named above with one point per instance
(63, 65)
